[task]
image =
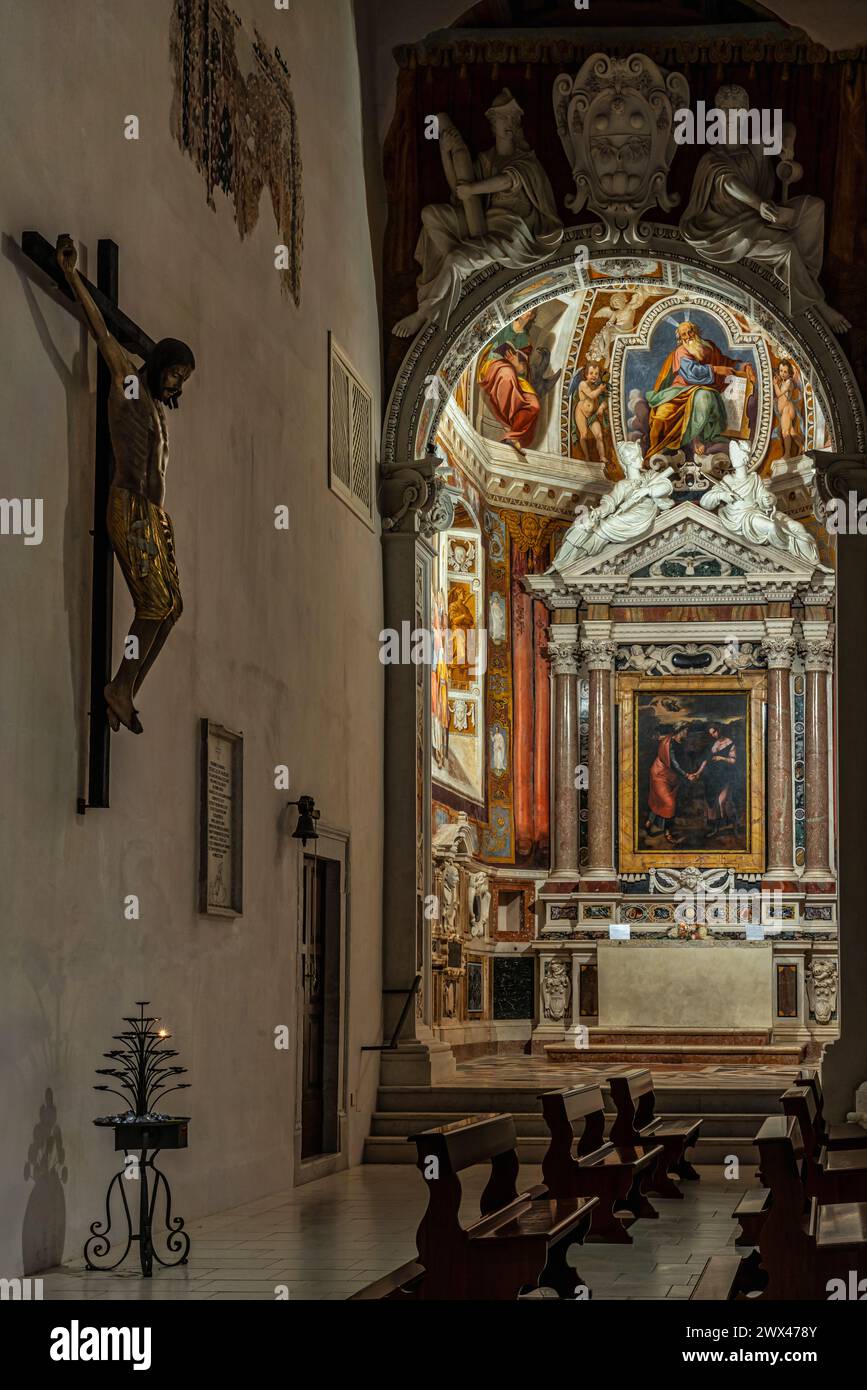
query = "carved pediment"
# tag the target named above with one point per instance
(691, 538)
(688, 556)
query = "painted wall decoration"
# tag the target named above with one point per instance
(233, 113)
(692, 771)
(652, 351)
(515, 378)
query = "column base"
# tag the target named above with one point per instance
(783, 877)
(559, 887)
(819, 881)
(418, 1064)
(600, 881)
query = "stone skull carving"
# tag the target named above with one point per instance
(615, 120)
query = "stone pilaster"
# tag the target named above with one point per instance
(844, 1064)
(563, 654)
(780, 648)
(415, 504)
(599, 651)
(817, 649)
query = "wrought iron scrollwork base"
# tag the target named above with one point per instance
(98, 1246)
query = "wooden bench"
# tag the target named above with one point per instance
(831, 1175)
(591, 1167)
(843, 1135)
(519, 1244)
(401, 1283)
(635, 1126)
(750, 1214)
(803, 1243)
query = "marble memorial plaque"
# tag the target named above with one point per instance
(221, 821)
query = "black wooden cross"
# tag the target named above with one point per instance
(134, 339)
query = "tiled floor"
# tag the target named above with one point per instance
(330, 1238)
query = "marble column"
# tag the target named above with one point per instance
(780, 648)
(599, 652)
(563, 654)
(817, 649)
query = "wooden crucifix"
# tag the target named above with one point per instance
(129, 518)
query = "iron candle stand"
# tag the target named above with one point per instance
(143, 1069)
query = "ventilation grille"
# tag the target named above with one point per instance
(350, 449)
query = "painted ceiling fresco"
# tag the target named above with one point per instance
(655, 354)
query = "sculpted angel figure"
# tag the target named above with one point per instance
(518, 216)
(625, 513)
(732, 215)
(747, 507)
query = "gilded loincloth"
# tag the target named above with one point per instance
(144, 542)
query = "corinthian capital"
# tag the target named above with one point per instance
(780, 651)
(564, 656)
(599, 653)
(818, 653)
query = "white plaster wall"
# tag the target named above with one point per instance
(278, 637)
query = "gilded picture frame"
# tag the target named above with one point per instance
(692, 771)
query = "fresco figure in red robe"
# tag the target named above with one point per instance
(666, 772)
(504, 376)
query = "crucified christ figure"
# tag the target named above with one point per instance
(140, 529)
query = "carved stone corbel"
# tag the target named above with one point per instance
(839, 474)
(415, 496)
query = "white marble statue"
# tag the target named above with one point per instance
(626, 513)
(748, 508)
(731, 215)
(520, 224)
(451, 886)
(481, 904)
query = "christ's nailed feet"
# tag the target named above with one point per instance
(120, 709)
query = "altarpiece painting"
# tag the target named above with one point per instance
(692, 780)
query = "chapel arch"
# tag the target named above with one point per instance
(420, 501)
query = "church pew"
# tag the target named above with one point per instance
(842, 1135)
(517, 1248)
(831, 1175)
(750, 1214)
(636, 1126)
(578, 1165)
(520, 1242)
(401, 1283)
(803, 1245)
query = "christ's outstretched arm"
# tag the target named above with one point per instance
(116, 359)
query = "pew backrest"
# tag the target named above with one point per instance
(799, 1102)
(462, 1144)
(634, 1097)
(578, 1113)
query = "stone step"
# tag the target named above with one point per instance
(681, 1037)
(714, 1152)
(531, 1124)
(678, 1055)
(753, 1097)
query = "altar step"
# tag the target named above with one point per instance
(677, 1048)
(730, 1117)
